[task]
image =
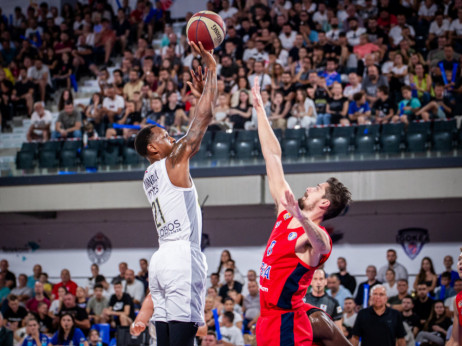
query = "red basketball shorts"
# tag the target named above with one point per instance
(291, 328)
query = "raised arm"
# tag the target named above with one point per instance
(271, 149)
(187, 146)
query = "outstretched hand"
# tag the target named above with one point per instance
(136, 328)
(198, 81)
(207, 56)
(291, 205)
(256, 95)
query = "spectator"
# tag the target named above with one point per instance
(337, 106)
(47, 288)
(348, 281)
(230, 305)
(349, 316)
(435, 329)
(22, 291)
(445, 290)
(80, 315)
(421, 82)
(240, 114)
(383, 111)
(45, 321)
(66, 282)
(156, 114)
(38, 298)
(97, 304)
(123, 266)
(379, 325)
(408, 108)
(134, 287)
(40, 123)
(213, 293)
(422, 303)
(360, 299)
(215, 281)
(4, 290)
(134, 85)
(390, 283)
(440, 107)
(409, 316)
(143, 273)
(354, 33)
(104, 41)
(448, 262)
(279, 111)
(449, 302)
(69, 123)
(34, 336)
(318, 297)
(81, 297)
(303, 113)
(287, 36)
(221, 112)
(230, 333)
(403, 291)
(253, 124)
(263, 78)
(336, 290)
(120, 311)
(94, 339)
(372, 82)
(57, 303)
(359, 111)
(15, 313)
(94, 268)
(251, 306)
(32, 279)
(130, 117)
(10, 278)
(353, 87)
(426, 275)
(40, 75)
(23, 92)
(68, 333)
(230, 284)
(210, 339)
(112, 104)
(6, 335)
(320, 98)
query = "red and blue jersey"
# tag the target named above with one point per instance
(284, 277)
(459, 307)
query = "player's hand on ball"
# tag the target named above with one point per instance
(198, 81)
(136, 328)
(207, 56)
(257, 101)
(291, 205)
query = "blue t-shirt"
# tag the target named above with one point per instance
(413, 103)
(353, 107)
(42, 338)
(331, 78)
(75, 340)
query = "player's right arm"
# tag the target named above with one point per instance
(456, 330)
(271, 149)
(143, 317)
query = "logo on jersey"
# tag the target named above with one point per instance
(412, 240)
(265, 271)
(323, 307)
(287, 215)
(292, 236)
(460, 304)
(270, 248)
(277, 224)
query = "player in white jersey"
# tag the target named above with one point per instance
(178, 270)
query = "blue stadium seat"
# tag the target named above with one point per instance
(342, 137)
(318, 137)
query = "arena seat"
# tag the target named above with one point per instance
(221, 150)
(97, 145)
(130, 156)
(417, 135)
(31, 147)
(72, 145)
(223, 137)
(318, 137)
(391, 137)
(368, 130)
(291, 147)
(48, 159)
(90, 158)
(342, 136)
(25, 160)
(207, 140)
(365, 144)
(244, 141)
(444, 132)
(244, 150)
(110, 158)
(68, 158)
(51, 146)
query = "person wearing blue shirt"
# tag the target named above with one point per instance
(359, 111)
(448, 262)
(32, 279)
(67, 332)
(408, 106)
(33, 336)
(330, 74)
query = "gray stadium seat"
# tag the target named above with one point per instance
(365, 144)
(25, 160)
(90, 158)
(244, 150)
(68, 158)
(130, 156)
(47, 159)
(417, 135)
(291, 148)
(221, 151)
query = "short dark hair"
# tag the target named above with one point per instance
(384, 89)
(229, 315)
(227, 299)
(215, 274)
(229, 270)
(98, 286)
(358, 96)
(406, 87)
(404, 280)
(349, 298)
(339, 197)
(446, 275)
(118, 282)
(12, 297)
(142, 139)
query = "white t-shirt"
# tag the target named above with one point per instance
(350, 90)
(35, 74)
(115, 104)
(396, 33)
(249, 53)
(391, 290)
(427, 12)
(349, 321)
(456, 26)
(310, 104)
(37, 121)
(288, 41)
(237, 318)
(231, 11)
(232, 335)
(135, 290)
(353, 36)
(264, 80)
(320, 18)
(437, 30)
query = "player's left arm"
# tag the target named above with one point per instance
(318, 238)
(187, 146)
(456, 330)
(143, 317)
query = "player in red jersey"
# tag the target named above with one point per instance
(296, 247)
(456, 338)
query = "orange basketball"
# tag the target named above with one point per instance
(206, 27)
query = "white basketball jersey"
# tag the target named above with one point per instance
(176, 210)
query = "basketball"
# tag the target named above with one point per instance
(206, 27)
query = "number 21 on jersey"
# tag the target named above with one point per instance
(158, 216)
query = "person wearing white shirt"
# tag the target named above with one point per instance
(232, 336)
(134, 287)
(449, 302)
(349, 314)
(39, 73)
(260, 54)
(229, 305)
(438, 27)
(40, 123)
(396, 32)
(320, 16)
(112, 104)
(427, 10)
(355, 32)
(353, 87)
(287, 36)
(263, 78)
(456, 26)
(227, 11)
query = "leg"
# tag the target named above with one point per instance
(162, 333)
(182, 333)
(325, 330)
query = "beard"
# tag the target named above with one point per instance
(304, 206)
(300, 203)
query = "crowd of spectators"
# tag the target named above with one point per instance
(34, 309)
(319, 63)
